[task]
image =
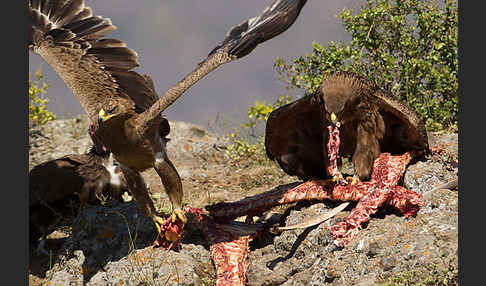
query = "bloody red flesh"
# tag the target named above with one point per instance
(229, 242)
(333, 150)
(171, 234)
(381, 189)
(228, 246)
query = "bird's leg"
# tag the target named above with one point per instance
(138, 188)
(367, 150)
(172, 184)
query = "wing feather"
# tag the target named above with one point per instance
(405, 131)
(68, 37)
(293, 137)
(274, 20)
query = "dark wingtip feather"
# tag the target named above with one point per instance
(65, 13)
(243, 38)
(71, 15)
(35, 4)
(70, 24)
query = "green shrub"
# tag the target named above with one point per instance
(38, 114)
(408, 47)
(248, 141)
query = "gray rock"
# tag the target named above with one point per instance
(111, 244)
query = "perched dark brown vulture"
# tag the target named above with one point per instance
(372, 121)
(124, 105)
(78, 177)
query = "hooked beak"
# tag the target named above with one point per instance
(102, 116)
(333, 118)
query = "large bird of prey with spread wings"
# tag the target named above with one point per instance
(120, 102)
(373, 121)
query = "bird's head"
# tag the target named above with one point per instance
(104, 116)
(339, 103)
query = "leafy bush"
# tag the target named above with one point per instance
(408, 47)
(248, 141)
(38, 114)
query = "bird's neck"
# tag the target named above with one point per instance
(154, 113)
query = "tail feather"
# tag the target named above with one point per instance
(39, 21)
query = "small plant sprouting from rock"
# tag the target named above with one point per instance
(38, 114)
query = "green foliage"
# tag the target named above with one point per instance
(259, 112)
(408, 47)
(38, 114)
(248, 141)
(242, 149)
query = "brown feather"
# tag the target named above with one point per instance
(294, 139)
(35, 4)
(136, 87)
(100, 76)
(67, 12)
(76, 177)
(85, 13)
(117, 57)
(95, 72)
(108, 43)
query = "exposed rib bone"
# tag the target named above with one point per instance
(317, 220)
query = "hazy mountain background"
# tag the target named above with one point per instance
(171, 37)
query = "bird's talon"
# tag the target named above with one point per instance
(158, 221)
(338, 179)
(353, 180)
(178, 213)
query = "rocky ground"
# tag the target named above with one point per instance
(110, 244)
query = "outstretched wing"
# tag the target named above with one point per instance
(293, 137)
(98, 71)
(404, 130)
(274, 20)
